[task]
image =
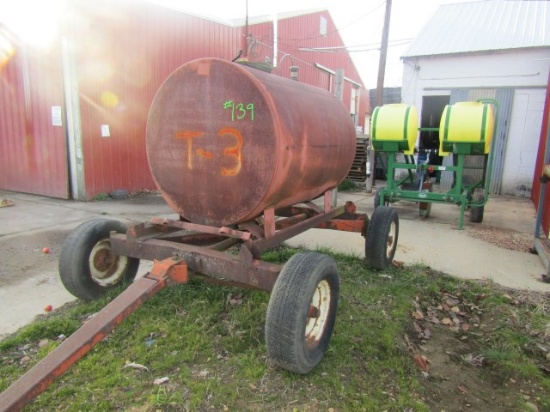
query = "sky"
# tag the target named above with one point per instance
(360, 24)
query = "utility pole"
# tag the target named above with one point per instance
(380, 84)
(383, 55)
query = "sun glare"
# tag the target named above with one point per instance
(35, 22)
(7, 49)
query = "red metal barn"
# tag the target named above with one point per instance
(311, 42)
(73, 116)
(544, 148)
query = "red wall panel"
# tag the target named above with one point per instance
(120, 71)
(540, 163)
(33, 153)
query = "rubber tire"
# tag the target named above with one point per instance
(74, 267)
(119, 194)
(286, 318)
(378, 234)
(377, 198)
(476, 212)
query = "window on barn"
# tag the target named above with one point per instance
(323, 26)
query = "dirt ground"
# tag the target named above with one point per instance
(29, 277)
(446, 338)
(23, 255)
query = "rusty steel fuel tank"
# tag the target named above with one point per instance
(226, 141)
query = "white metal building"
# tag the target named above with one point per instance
(495, 49)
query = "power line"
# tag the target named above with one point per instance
(359, 47)
(337, 30)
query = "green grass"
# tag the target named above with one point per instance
(347, 185)
(101, 196)
(213, 352)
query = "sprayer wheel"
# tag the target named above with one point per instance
(476, 212)
(382, 235)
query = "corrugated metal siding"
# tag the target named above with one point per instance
(12, 126)
(484, 25)
(33, 155)
(128, 58)
(504, 98)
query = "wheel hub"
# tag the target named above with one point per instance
(318, 313)
(391, 239)
(105, 267)
(103, 261)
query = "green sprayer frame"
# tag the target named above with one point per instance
(473, 195)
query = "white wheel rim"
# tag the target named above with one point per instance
(390, 241)
(318, 313)
(106, 268)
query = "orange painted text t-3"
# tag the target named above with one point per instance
(234, 151)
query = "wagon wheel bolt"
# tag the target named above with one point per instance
(313, 312)
(103, 260)
(102, 257)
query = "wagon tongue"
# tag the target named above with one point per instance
(36, 380)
